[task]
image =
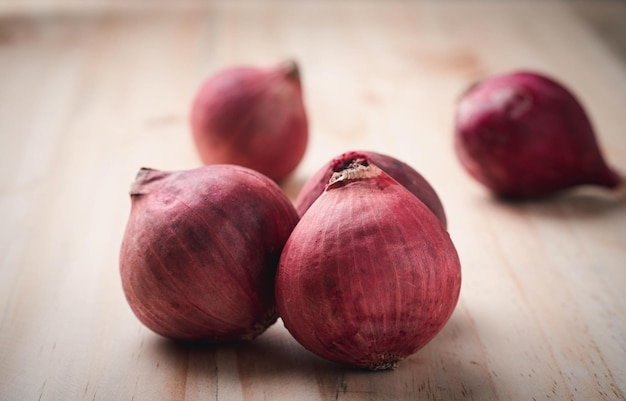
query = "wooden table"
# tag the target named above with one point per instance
(90, 92)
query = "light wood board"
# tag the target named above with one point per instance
(90, 92)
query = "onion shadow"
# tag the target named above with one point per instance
(580, 203)
(275, 364)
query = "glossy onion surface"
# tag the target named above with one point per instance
(523, 134)
(369, 275)
(200, 251)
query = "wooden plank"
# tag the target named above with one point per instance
(90, 93)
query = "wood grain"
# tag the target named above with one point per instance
(91, 92)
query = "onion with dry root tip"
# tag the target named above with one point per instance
(200, 250)
(369, 275)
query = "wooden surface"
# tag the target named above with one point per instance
(90, 93)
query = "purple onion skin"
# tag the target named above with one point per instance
(369, 275)
(523, 135)
(400, 171)
(200, 250)
(253, 117)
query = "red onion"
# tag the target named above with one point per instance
(369, 275)
(253, 117)
(200, 251)
(523, 135)
(397, 169)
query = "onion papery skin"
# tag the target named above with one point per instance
(369, 275)
(524, 135)
(200, 250)
(254, 117)
(397, 169)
